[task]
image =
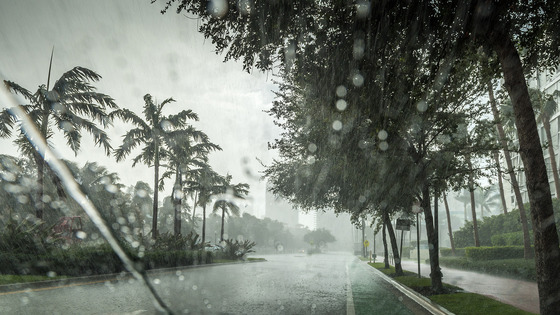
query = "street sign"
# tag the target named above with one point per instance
(403, 224)
(366, 243)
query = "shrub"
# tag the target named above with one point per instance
(493, 253)
(510, 239)
(236, 249)
(28, 237)
(169, 241)
(516, 268)
(446, 252)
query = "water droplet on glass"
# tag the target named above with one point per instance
(23, 199)
(362, 199)
(51, 274)
(312, 147)
(166, 125)
(141, 193)
(217, 8)
(157, 281)
(362, 9)
(111, 188)
(359, 48)
(313, 306)
(66, 126)
(10, 177)
(311, 159)
(337, 125)
(195, 287)
(357, 80)
(206, 301)
(24, 300)
(422, 106)
(121, 220)
(134, 244)
(341, 91)
(341, 105)
(181, 278)
(383, 146)
(382, 135)
(81, 235)
(245, 6)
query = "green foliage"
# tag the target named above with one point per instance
(447, 252)
(170, 242)
(236, 249)
(510, 239)
(494, 253)
(28, 237)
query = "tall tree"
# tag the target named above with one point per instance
(71, 106)
(151, 133)
(513, 178)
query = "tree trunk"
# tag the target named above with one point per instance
(222, 230)
(177, 201)
(394, 246)
(527, 253)
(435, 270)
(449, 223)
(203, 223)
(39, 205)
(546, 238)
(500, 180)
(553, 166)
(156, 190)
(385, 248)
(473, 205)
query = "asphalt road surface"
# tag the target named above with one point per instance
(284, 284)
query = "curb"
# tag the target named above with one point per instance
(125, 275)
(423, 301)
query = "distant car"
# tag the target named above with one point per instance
(213, 248)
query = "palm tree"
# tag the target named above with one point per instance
(206, 184)
(188, 148)
(450, 231)
(527, 253)
(545, 107)
(71, 106)
(487, 199)
(151, 133)
(226, 202)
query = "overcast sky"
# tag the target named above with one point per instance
(138, 51)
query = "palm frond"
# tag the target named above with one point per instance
(150, 111)
(17, 89)
(129, 116)
(131, 140)
(7, 121)
(77, 74)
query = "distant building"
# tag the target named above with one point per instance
(277, 208)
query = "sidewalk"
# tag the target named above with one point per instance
(521, 294)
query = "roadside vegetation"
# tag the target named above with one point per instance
(453, 298)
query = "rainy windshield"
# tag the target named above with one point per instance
(279, 157)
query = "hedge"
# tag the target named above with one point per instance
(447, 252)
(92, 261)
(493, 253)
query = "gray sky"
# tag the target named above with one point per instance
(139, 51)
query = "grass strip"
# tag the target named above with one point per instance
(12, 279)
(457, 302)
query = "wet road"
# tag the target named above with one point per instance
(285, 284)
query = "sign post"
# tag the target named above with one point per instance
(366, 245)
(417, 209)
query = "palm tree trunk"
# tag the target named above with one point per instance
(222, 230)
(177, 201)
(546, 237)
(394, 246)
(449, 223)
(156, 190)
(500, 180)
(527, 253)
(203, 224)
(553, 166)
(385, 248)
(473, 205)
